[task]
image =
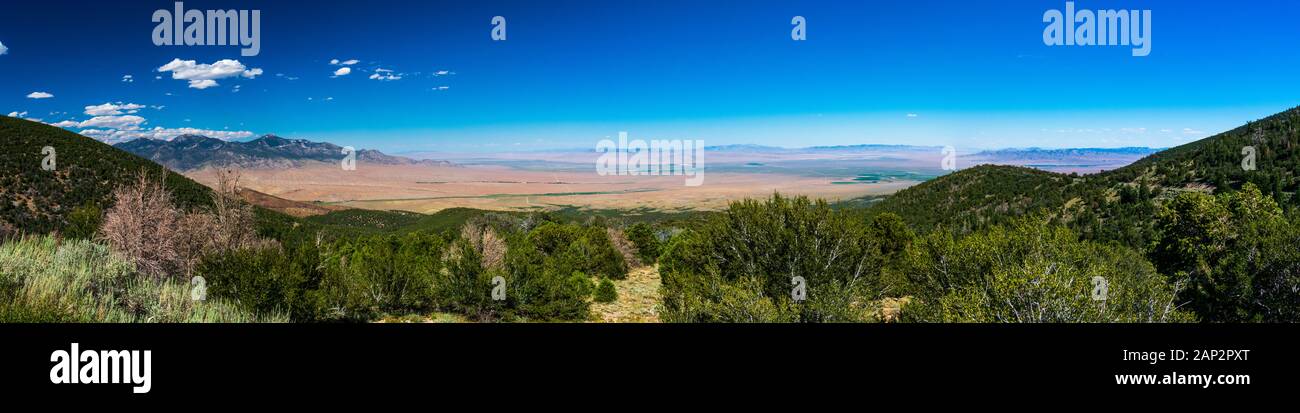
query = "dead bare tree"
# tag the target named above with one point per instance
(486, 242)
(232, 221)
(143, 226)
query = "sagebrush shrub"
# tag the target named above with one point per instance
(605, 291)
(740, 265)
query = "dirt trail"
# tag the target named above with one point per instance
(638, 299)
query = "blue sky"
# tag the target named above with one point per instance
(968, 74)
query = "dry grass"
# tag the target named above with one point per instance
(891, 307)
(435, 318)
(638, 299)
(44, 279)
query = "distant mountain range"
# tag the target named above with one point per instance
(1040, 153)
(190, 152)
(1008, 153)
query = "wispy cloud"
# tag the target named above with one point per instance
(382, 74)
(39, 95)
(343, 71)
(3, 50)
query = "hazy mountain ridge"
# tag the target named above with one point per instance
(189, 152)
(1038, 153)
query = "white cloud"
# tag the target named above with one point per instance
(66, 124)
(113, 109)
(124, 122)
(343, 71)
(118, 136)
(913, 115)
(203, 84)
(39, 95)
(441, 88)
(348, 62)
(17, 114)
(3, 49)
(128, 78)
(203, 76)
(385, 74)
(1190, 131)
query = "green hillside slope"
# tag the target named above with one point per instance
(1114, 205)
(33, 200)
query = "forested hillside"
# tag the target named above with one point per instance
(1114, 205)
(34, 200)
